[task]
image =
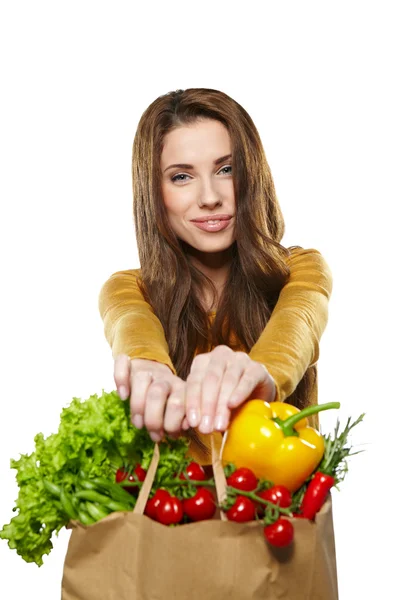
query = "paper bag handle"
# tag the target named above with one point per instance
(219, 477)
(147, 483)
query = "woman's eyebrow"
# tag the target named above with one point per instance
(186, 166)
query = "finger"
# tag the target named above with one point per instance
(230, 382)
(193, 388)
(255, 377)
(210, 392)
(157, 436)
(221, 358)
(122, 368)
(185, 424)
(175, 409)
(140, 383)
(266, 388)
(156, 400)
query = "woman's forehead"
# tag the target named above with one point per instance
(202, 141)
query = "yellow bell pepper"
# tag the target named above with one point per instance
(275, 441)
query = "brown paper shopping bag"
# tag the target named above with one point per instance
(127, 556)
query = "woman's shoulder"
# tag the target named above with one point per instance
(125, 274)
(307, 257)
(120, 281)
(299, 251)
(308, 267)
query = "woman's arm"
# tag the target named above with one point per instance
(130, 325)
(289, 344)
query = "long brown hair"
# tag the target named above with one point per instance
(170, 283)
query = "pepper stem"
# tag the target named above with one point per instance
(288, 424)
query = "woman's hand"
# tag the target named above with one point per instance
(221, 380)
(157, 396)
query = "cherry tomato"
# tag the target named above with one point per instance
(243, 510)
(201, 506)
(243, 479)
(153, 503)
(278, 494)
(140, 473)
(280, 533)
(170, 510)
(194, 471)
(122, 475)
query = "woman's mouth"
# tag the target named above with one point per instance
(212, 226)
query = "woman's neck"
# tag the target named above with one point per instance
(216, 267)
(218, 276)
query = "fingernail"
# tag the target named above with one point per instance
(138, 421)
(123, 392)
(206, 424)
(193, 417)
(220, 423)
(155, 437)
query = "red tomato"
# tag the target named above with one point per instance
(194, 471)
(153, 503)
(201, 506)
(120, 475)
(280, 533)
(138, 474)
(243, 479)
(169, 511)
(278, 494)
(243, 510)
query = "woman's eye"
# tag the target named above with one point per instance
(174, 178)
(181, 176)
(227, 167)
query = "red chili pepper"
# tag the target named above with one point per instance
(316, 494)
(330, 471)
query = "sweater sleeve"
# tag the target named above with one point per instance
(130, 324)
(289, 344)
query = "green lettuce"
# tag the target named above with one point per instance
(95, 436)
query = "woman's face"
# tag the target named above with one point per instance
(201, 185)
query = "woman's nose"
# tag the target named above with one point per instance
(209, 196)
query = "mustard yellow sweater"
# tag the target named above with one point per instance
(288, 345)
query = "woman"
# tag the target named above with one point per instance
(219, 312)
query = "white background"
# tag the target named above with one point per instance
(320, 82)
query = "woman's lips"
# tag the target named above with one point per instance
(212, 227)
